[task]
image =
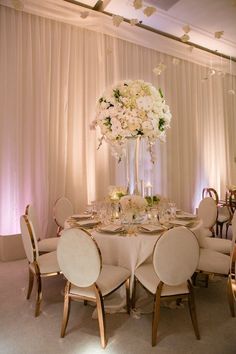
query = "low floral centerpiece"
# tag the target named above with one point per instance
(132, 109)
(133, 207)
(116, 192)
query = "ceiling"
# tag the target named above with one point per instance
(204, 17)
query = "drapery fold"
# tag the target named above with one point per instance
(51, 75)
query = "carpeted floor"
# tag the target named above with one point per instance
(22, 333)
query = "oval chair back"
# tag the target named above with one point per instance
(176, 256)
(210, 192)
(29, 239)
(63, 208)
(31, 213)
(207, 212)
(79, 257)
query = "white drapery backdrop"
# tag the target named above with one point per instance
(51, 75)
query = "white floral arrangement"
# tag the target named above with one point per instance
(132, 109)
(133, 203)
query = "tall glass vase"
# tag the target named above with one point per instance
(132, 165)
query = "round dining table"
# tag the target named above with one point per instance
(127, 250)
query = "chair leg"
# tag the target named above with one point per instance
(194, 278)
(134, 293)
(127, 287)
(192, 310)
(156, 313)
(101, 316)
(66, 311)
(30, 284)
(227, 227)
(230, 296)
(39, 295)
(221, 230)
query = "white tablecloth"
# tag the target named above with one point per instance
(129, 252)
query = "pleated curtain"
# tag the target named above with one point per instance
(51, 75)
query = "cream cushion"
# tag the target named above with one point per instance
(79, 257)
(217, 244)
(213, 262)
(47, 263)
(207, 212)
(109, 279)
(175, 256)
(48, 244)
(148, 277)
(62, 210)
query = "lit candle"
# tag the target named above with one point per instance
(142, 188)
(148, 189)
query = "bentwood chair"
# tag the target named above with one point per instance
(207, 212)
(212, 262)
(80, 260)
(175, 258)
(44, 245)
(223, 215)
(62, 209)
(39, 266)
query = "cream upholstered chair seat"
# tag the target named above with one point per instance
(107, 281)
(216, 244)
(213, 262)
(39, 266)
(46, 244)
(80, 261)
(175, 258)
(147, 276)
(47, 263)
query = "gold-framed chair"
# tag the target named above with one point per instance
(87, 277)
(40, 266)
(207, 212)
(175, 258)
(215, 263)
(223, 214)
(62, 209)
(45, 245)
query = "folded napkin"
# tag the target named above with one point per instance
(111, 228)
(84, 223)
(151, 228)
(186, 216)
(180, 222)
(81, 216)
